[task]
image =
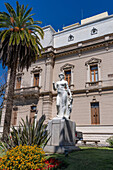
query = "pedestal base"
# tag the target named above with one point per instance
(62, 132)
(60, 149)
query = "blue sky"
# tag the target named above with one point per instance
(59, 13)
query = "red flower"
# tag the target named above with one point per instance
(51, 163)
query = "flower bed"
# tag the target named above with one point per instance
(23, 157)
(51, 163)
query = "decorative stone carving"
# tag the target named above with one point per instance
(36, 69)
(94, 31)
(70, 38)
(93, 61)
(50, 59)
(15, 108)
(67, 66)
(19, 74)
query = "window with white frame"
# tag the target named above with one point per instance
(93, 70)
(67, 74)
(19, 79)
(36, 79)
(94, 73)
(68, 70)
(36, 76)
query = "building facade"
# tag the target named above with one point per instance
(84, 52)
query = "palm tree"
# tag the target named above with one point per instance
(19, 47)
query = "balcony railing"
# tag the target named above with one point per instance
(99, 84)
(28, 91)
(93, 84)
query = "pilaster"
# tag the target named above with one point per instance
(49, 64)
(47, 94)
(47, 106)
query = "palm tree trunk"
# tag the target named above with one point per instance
(9, 104)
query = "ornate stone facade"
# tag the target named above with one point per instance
(86, 58)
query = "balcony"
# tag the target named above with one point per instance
(100, 85)
(27, 92)
(95, 84)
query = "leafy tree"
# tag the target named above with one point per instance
(20, 46)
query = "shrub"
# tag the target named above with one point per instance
(27, 134)
(110, 141)
(23, 157)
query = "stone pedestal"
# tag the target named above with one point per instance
(62, 132)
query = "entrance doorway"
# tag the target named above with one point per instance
(95, 117)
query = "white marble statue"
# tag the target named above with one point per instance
(64, 97)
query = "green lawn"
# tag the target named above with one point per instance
(87, 159)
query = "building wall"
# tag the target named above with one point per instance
(77, 53)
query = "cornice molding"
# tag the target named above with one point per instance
(79, 49)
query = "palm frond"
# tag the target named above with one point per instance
(10, 10)
(17, 8)
(4, 35)
(27, 13)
